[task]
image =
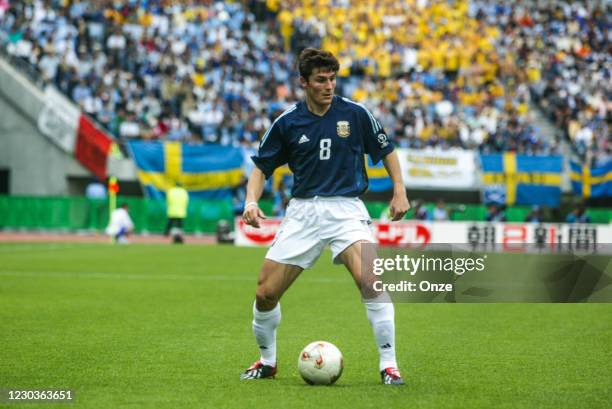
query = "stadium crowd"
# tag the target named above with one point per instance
(428, 69)
(152, 70)
(565, 50)
(435, 73)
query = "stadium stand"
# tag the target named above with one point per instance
(565, 49)
(471, 74)
(198, 72)
(436, 73)
(430, 71)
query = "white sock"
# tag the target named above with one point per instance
(382, 318)
(264, 328)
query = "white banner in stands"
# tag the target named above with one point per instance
(509, 235)
(436, 168)
(59, 120)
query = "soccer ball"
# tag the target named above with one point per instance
(320, 363)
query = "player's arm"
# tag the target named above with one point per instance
(378, 146)
(270, 156)
(399, 203)
(252, 213)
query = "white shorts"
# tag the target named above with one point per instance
(311, 224)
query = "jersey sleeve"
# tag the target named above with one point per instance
(272, 153)
(376, 141)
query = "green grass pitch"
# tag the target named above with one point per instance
(151, 326)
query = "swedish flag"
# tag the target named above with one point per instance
(205, 171)
(593, 181)
(284, 174)
(378, 178)
(529, 180)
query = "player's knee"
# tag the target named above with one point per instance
(265, 298)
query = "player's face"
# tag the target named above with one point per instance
(320, 86)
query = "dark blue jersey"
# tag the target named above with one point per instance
(325, 153)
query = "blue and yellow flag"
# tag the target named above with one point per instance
(593, 181)
(378, 178)
(528, 180)
(284, 174)
(205, 171)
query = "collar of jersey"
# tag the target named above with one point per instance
(335, 97)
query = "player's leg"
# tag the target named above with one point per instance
(295, 248)
(169, 224)
(379, 308)
(121, 236)
(350, 236)
(176, 232)
(274, 279)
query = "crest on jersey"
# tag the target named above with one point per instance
(343, 128)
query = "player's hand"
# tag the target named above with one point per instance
(398, 207)
(252, 215)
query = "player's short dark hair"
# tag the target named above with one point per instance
(311, 58)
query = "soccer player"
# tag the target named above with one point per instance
(324, 140)
(120, 224)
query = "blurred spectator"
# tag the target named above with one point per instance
(495, 213)
(129, 127)
(420, 211)
(95, 190)
(535, 215)
(4, 5)
(440, 212)
(97, 194)
(578, 215)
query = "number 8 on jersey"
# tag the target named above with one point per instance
(325, 151)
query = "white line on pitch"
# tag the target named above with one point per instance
(127, 276)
